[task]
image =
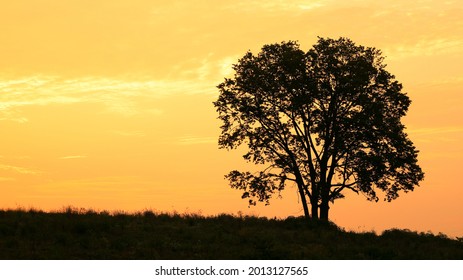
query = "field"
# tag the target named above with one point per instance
(86, 234)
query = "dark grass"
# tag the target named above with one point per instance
(78, 234)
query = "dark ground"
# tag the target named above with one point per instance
(74, 234)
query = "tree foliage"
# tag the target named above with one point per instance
(327, 120)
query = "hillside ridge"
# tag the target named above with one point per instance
(88, 234)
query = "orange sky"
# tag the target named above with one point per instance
(108, 104)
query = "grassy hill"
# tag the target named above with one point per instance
(74, 234)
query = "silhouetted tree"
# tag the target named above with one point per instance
(328, 120)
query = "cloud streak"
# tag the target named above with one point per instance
(435, 130)
(425, 47)
(18, 169)
(116, 95)
(195, 140)
(74, 157)
(276, 6)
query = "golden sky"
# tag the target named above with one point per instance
(108, 104)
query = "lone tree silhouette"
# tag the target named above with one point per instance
(327, 121)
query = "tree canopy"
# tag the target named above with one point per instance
(327, 121)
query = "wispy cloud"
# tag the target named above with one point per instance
(425, 47)
(74, 157)
(444, 81)
(442, 135)
(18, 169)
(116, 95)
(435, 130)
(194, 140)
(276, 5)
(12, 115)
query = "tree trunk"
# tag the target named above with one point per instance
(324, 208)
(325, 201)
(314, 210)
(314, 202)
(304, 202)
